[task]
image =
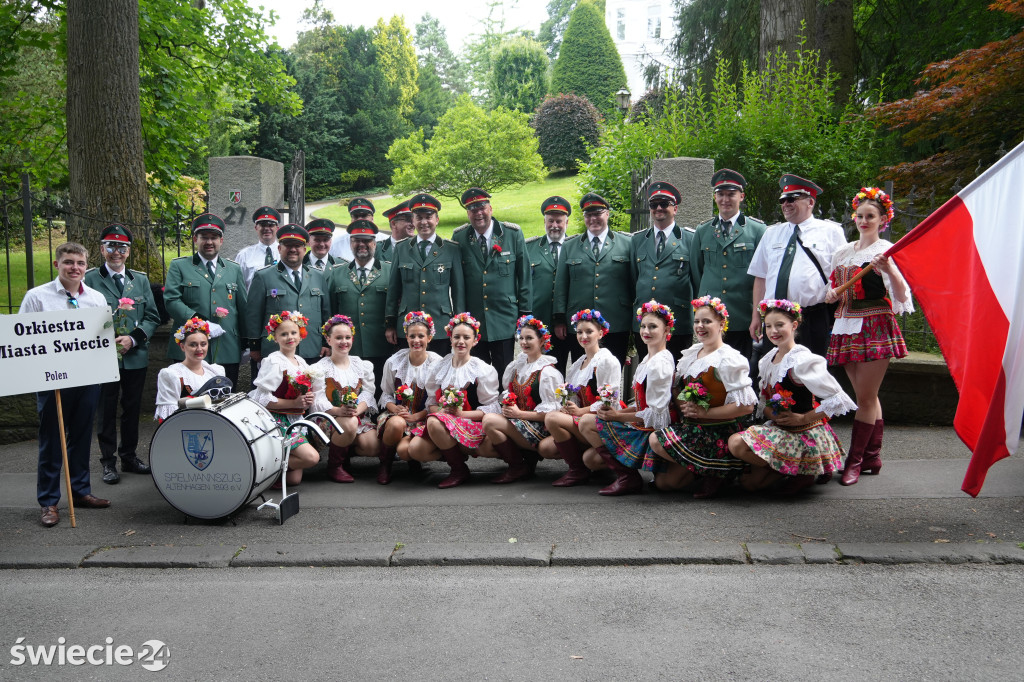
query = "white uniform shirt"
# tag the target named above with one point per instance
(341, 248)
(254, 257)
(52, 296)
(822, 237)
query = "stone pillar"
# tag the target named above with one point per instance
(692, 177)
(238, 186)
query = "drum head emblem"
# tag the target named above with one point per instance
(198, 447)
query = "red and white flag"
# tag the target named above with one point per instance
(965, 265)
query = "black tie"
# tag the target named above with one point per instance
(362, 276)
(726, 226)
(782, 284)
(661, 244)
(209, 269)
(119, 280)
(426, 247)
(298, 280)
(319, 264)
(482, 243)
(554, 251)
(596, 247)
(269, 258)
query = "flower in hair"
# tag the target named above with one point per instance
(588, 315)
(537, 326)
(287, 316)
(462, 318)
(418, 317)
(336, 320)
(652, 307)
(883, 199)
(770, 304)
(192, 325)
(716, 305)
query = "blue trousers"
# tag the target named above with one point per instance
(79, 408)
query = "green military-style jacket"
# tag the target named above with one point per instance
(665, 279)
(140, 322)
(433, 284)
(719, 265)
(273, 291)
(542, 278)
(605, 283)
(498, 286)
(385, 250)
(363, 303)
(188, 292)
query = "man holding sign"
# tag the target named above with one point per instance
(65, 292)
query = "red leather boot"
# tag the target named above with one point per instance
(387, 458)
(872, 463)
(511, 455)
(578, 472)
(855, 457)
(337, 459)
(627, 481)
(457, 461)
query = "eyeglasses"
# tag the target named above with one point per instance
(218, 392)
(72, 301)
(111, 248)
(661, 204)
(361, 215)
(789, 200)
(266, 223)
(478, 206)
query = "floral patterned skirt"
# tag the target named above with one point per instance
(628, 443)
(465, 431)
(413, 429)
(284, 420)
(880, 337)
(813, 451)
(703, 448)
(533, 432)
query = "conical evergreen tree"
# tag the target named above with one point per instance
(588, 63)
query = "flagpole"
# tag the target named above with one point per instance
(64, 455)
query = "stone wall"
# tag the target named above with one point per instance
(238, 186)
(692, 177)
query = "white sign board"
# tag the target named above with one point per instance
(57, 349)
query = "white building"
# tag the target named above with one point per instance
(642, 30)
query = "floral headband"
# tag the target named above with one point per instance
(588, 315)
(336, 320)
(875, 194)
(537, 326)
(418, 317)
(286, 316)
(652, 307)
(191, 326)
(770, 304)
(462, 318)
(716, 305)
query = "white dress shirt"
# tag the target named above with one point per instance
(822, 237)
(53, 296)
(252, 258)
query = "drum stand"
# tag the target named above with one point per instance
(289, 504)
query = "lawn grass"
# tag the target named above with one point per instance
(520, 206)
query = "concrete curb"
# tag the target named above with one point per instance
(507, 554)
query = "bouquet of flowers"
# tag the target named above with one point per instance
(451, 397)
(565, 392)
(697, 393)
(405, 395)
(508, 398)
(780, 400)
(301, 382)
(121, 321)
(221, 312)
(608, 395)
(341, 396)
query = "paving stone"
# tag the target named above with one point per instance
(162, 556)
(331, 554)
(67, 556)
(771, 553)
(647, 553)
(931, 553)
(819, 553)
(473, 554)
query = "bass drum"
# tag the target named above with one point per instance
(208, 463)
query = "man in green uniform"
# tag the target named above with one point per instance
(660, 260)
(288, 285)
(544, 253)
(426, 274)
(496, 271)
(360, 290)
(400, 219)
(720, 255)
(199, 285)
(321, 232)
(133, 326)
(594, 272)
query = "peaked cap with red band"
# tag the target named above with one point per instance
(401, 209)
(364, 228)
(556, 204)
(208, 221)
(727, 178)
(664, 190)
(794, 185)
(320, 226)
(593, 202)
(361, 204)
(116, 233)
(473, 195)
(422, 202)
(294, 232)
(266, 213)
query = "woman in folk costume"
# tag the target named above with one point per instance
(620, 436)
(865, 334)
(284, 386)
(344, 388)
(714, 397)
(460, 390)
(183, 378)
(531, 383)
(595, 368)
(798, 395)
(403, 399)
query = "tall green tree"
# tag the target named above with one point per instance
(396, 58)
(480, 48)
(710, 30)
(519, 75)
(588, 63)
(435, 55)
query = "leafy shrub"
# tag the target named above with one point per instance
(567, 126)
(519, 74)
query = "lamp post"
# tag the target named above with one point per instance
(622, 99)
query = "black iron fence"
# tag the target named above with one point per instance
(33, 224)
